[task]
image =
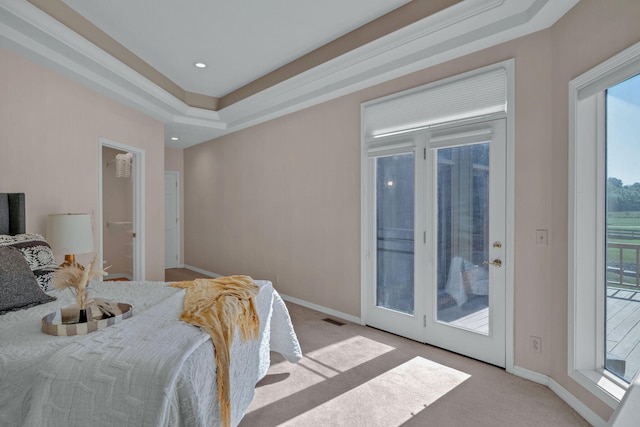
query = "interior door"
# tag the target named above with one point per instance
(171, 245)
(132, 226)
(118, 214)
(435, 269)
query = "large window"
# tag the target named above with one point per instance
(622, 293)
(604, 226)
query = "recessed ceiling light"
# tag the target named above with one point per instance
(200, 65)
(174, 138)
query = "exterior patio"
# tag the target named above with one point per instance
(623, 301)
(623, 335)
(623, 321)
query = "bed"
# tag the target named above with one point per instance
(149, 370)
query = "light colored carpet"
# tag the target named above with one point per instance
(353, 375)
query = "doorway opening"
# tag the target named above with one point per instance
(121, 202)
(171, 220)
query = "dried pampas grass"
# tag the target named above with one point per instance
(76, 278)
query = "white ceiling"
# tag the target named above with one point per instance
(242, 40)
(239, 40)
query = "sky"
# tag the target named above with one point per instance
(623, 131)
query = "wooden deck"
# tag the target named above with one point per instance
(623, 334)
(473, 315)
(477, 321)
(623, 321)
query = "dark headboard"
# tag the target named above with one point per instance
(12, 213)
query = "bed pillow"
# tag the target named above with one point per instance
(37, 253)
(18, 286)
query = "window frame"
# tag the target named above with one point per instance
(586, 224)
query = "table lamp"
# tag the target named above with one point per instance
(70, 234)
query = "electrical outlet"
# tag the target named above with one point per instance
(535, 344)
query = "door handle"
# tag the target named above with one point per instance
(496, 263)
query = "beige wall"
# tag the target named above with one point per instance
(49, 131)
(283, 198)
(281, 201)
(174, 162)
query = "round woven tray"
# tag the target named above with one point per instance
(51, 322)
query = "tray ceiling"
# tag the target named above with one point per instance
(264, 59)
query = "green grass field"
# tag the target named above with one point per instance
(624, 219)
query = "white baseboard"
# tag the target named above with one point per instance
(582, 409)
(322, 309)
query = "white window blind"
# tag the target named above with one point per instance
(385, 148)
(451, 100)
(479, 135)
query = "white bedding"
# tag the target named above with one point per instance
(169, 385)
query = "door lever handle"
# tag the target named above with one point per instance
(496, 263)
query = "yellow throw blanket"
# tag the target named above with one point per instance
(218, 306)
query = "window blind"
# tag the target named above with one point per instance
(476, 136)
(437, 103)
(385, 148)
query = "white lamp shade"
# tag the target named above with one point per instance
(70, 233)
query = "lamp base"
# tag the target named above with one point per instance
(69, 260)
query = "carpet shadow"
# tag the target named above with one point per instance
(272, 379)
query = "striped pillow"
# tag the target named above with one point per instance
(37, 252)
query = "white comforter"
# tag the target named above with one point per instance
(151, 369)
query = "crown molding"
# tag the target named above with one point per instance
(466, 27)
(32, 33)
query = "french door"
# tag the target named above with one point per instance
(436, 214)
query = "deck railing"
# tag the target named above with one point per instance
(625, 277)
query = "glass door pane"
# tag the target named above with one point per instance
(462, 235)
(395, 185)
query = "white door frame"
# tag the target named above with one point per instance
(138, 178)
(177, 207)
